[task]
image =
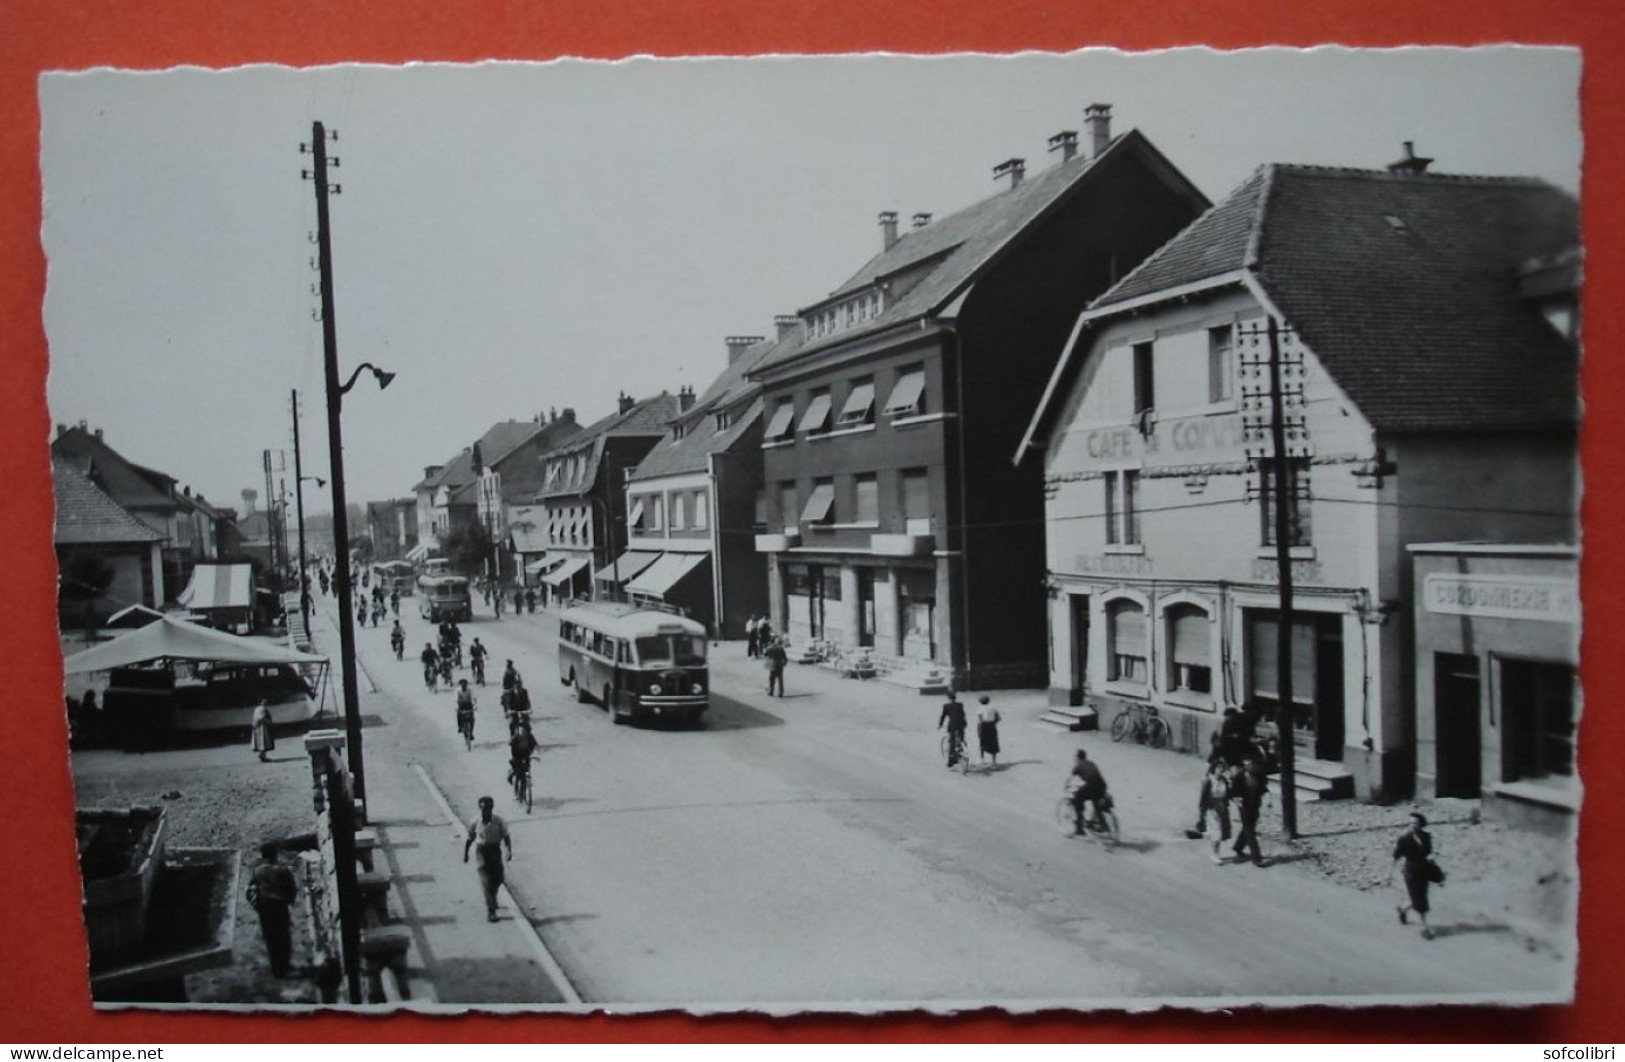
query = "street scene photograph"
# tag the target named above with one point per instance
(1087, 531)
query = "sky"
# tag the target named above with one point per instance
(515, 238)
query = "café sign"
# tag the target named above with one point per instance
(1502, 596)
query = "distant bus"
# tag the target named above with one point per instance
(635, 661)
(395, 577)
(444, 597)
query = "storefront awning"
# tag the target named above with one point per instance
(566, 571)
(626, 566)
(658, 579)
(542, 563)
(419, 551)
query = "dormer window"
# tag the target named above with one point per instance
(722, 419)
(678, 430)
(860, 405)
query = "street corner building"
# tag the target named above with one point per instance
(892, 520)
(1424, 330)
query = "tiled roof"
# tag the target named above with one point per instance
(1405, 287)
(955, 248)
(86, 515)
(122, 480)
(730, 391)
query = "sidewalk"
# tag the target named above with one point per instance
(457, 957)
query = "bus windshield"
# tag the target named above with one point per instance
(664, 650)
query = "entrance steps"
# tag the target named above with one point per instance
(1064, 717)
(1316, 780)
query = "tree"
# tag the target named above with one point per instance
(467, 546)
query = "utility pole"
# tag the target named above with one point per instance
(1286, 508)
(299, 506)
(1281, 492)
(270, 520)
(349, 913)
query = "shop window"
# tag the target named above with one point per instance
(1127, 632)
(1190, 657)
(1537, 709)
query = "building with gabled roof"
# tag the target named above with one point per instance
(896, 524)
(90, 524)
(582, 493)
(1425, 329)
(695, 503)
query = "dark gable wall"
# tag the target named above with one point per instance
(744, 576)
(1013, 328)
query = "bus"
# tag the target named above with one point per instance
(443, 597)
(636, 661)
(396, 577)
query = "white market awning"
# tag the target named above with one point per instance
(626, 566)
(566, 572)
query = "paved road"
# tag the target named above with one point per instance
(813, 850)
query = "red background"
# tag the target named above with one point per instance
(43, 993)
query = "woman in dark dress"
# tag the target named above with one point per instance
(1411, 854)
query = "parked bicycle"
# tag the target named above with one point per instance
(1144, 725)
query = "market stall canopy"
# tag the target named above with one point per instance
(175, 639)
(219, 586)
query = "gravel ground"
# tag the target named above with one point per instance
(1497, 876)
(266, 802)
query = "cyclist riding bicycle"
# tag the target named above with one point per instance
(397, 639)
(1086, 785)
(431, 666)
(510, 676)
(476, 659)
(465, 708)
(521, 747)
(953, 714)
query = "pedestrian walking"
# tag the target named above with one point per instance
(776, 659)
(271, 892)
(1413, 856)
(987, 729)
(260, 723)
(487, 837)
(751, 625)
(518, 602)
(530, 601)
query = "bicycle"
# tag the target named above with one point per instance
(1101, 827)
(522, 790)
(479, 670)
(952, 747)
(465, 727)
(1144, 725)
(431, 673)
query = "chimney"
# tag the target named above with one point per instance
(784, 324)
(888, 229)
(568, 415)
(1066, 142)
(1015, 169)
(61, 430)
(626, 402)
(1098, 117)
(552, 414)
(685, 398)
(737, 345)
(98, 435)
(921, 220)
(1411, 165)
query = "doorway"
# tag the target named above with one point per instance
(1317, 678)
(1079, 612)
(1456, 692)
(866, 607)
